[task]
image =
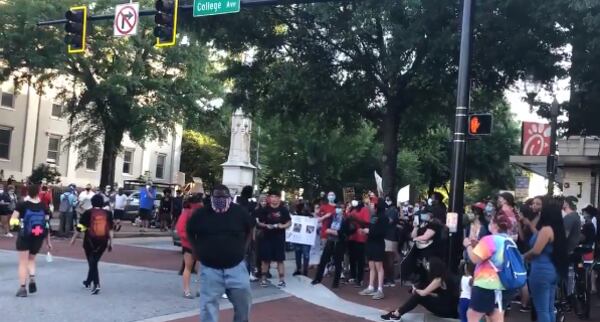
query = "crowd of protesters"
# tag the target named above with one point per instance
(392, 241)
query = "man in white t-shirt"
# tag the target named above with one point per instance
(85, 199)
(120, 204)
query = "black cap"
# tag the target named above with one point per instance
(220, 191)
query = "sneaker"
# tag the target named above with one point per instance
(96, 290)
(32, 287)
(22, 292)
(281, 284)
(367, 292)
(315, 282)
(378, 295)
(296, 273)
(525, 309)
(264, 283)
(9, 235)
(253, 278)
(224, 296)
(86, 284)
(390, 317)
(188, 295)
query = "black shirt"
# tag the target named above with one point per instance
(5, 204)
(377, 228)
(165, 204)
(391, 232)
(272, 216)
(86, 219)
(23, 206)
(219, 240)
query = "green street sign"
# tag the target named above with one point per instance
(204, 8)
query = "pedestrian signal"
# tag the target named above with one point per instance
(480, 124)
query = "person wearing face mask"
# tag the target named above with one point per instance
(85, 200)
(5, 211)
(219, 235)
(360, 218)
(375, 250)
(327, 211)
(391, 242)
(147, 197)
(426, 236)
(67, 202)
(335, 247)
(274, 219)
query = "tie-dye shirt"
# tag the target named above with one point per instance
(489, 248)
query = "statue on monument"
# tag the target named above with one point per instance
(238, 171)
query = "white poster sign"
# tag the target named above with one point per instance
(404, 194)
(379, 182)
(302, 231)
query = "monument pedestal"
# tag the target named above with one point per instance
(238, 172)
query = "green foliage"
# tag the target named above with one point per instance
(386, 61)
(314, 155)
(45, 171)
(202, 156)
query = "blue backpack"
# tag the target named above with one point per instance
(512, 274)
(34, 223)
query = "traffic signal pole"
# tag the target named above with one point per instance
(189, 7)
(459, 146)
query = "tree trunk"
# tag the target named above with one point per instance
(112, 145)
(391, 122)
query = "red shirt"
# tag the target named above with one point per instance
(45, 198)
(326, 209)
(186, 214)
(364, 217)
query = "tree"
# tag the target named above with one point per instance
(202, 156)
(45, 171)
(387, 61)
(119, 86)
(304, 153)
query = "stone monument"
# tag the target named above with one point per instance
(238, 171)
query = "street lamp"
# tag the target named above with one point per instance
(552, 159)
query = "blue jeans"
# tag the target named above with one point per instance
(542, 285)
(302, 254)
(463, 307)
(232, 281)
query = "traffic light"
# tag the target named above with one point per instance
(166, 22)
(76, 28)
(480, 124)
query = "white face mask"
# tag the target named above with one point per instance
(388, 202)
(430, 201)
(354, 203)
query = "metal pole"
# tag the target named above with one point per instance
(460, 129)
(551, 160)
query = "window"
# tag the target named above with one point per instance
(8, 100)
(91, 163)
(127, 161)
(5, 136)
(56, 110)
(160, 166)
(53, 149)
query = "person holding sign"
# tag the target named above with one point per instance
(337, 232)
(302, 251)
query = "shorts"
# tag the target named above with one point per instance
(119, 214)
(391, 246)
(145, 214)
(375, 251)
(272, 250)
(483, 300)
(186, 250)
(31, 244)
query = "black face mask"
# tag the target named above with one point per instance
(88, 189)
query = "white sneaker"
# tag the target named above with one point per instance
(253, 278)
(9, 235)
(224, 296)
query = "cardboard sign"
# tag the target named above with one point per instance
(302, 231)
(452, 222)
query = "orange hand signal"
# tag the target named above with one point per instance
(474, 126)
